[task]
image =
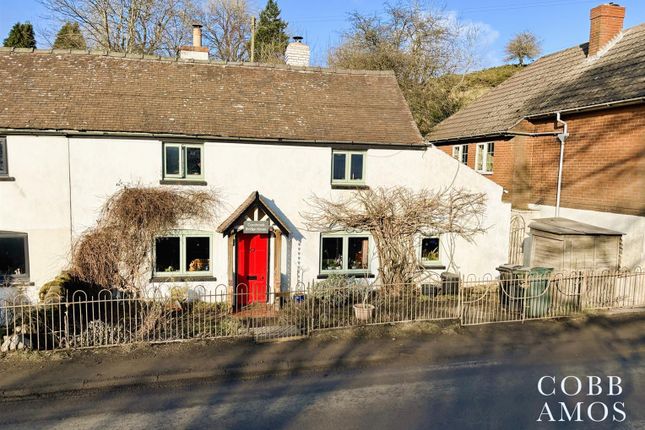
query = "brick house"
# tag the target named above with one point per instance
(566, 136)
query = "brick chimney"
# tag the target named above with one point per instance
(297, 53)
(606, 23)
(197, 51)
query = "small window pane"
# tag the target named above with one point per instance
(172, 160)
(490, 157)
(356, 172)
(479, 165)
(198, 254)
(13, 260)
(339, 167)
(3, 157)
(167, 254)
(332, 253)
(455, 152)
(464, 154)
(358, 252)
(430, 249)
(194, 161)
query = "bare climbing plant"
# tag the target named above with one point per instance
(396, 217)
(116, 252)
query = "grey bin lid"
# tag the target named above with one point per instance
(566, 226)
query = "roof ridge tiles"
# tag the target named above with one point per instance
(213, 62)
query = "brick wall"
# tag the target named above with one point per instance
(604, 162)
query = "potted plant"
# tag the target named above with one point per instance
(363, 311)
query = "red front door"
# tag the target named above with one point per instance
(252, 268)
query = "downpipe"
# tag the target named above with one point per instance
(562, 137)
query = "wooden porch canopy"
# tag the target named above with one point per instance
(254, 201)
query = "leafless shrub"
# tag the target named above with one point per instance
(116, 253)
(395, 217)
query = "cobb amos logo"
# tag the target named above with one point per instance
(603, 404)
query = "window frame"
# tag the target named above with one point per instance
(345, 254)
(438, 263)
(461, 153)
(183, 159)
(183, 272)
(4, 152)
(348, 167)
(483, 150)
(23, 276)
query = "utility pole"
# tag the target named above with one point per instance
(252, 39)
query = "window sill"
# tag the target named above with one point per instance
(17, 283)
(431, 266)
(7, 179)
(349, 275)
(183, 278)
(349, 187)
(182, 182)
(484, 173)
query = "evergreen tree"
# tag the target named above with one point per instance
(270, 38)
(70, 37)
(21, 36)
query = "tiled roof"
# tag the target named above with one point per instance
(107, 92)
(561, 81)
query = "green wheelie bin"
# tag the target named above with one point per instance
(538, 298)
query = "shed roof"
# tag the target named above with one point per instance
(561, 81)
(565, 226)
(114, 93)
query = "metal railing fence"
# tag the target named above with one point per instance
(109, 318)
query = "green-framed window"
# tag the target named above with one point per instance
(183, 253)
(14, 256)
(348, 167)
(4, 163)
(345, 253)
(183, 161)
(430, 251)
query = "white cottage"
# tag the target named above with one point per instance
(75, 126)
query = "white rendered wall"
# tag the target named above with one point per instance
(287, 175)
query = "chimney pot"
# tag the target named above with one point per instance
(606, 24)
(197, 35)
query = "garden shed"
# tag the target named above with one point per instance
(565, 244)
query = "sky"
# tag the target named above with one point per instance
(557, 23)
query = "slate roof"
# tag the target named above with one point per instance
(108, 92)
(561, 81)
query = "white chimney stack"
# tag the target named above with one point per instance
(197, 51)
(297, 53)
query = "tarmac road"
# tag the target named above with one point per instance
(477, 395)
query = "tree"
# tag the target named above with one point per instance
(137, 26)
(21, 36)
(70, 37)
(420, 45)
(523, 45)
(270, 37)
(227, 28)
(395, 217)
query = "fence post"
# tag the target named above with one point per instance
(460, 300)
(583, 291)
